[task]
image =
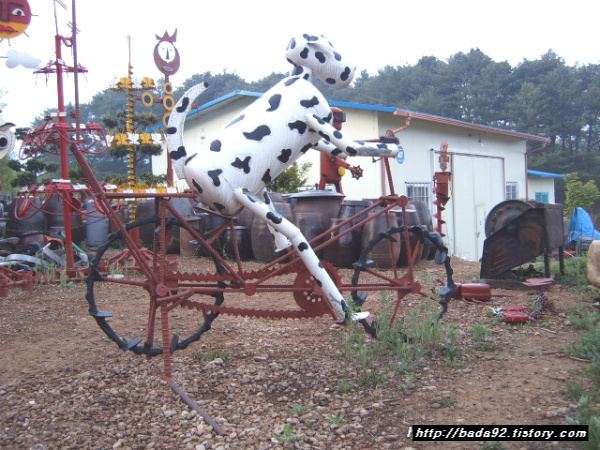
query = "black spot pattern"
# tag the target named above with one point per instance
(273, 217)
(351, 151)
(299, 126)
(337, 56)
(274, 102)
(296, 71)
(292, 44)
(307, 147)
(337, 134)
(324, 136)
(330, 81)
(310, 37)
(259, 133)
(382, 146)
(345, 74)
(197, 186)
(184, 104)
(245, 164)
(266, 197)
(215, 146)
(179, 153)
(214, 174)
(320, 57)
(303, 246)
(171, 130)
(219, 206)
(319, 282)
(236, 120)
(328, 118)
(321, 121)
(304, 53)
(309, 103)
(285, 155)
(190, 158)
(336, 152)
(321, 265)
(266, 178)
(290, 81)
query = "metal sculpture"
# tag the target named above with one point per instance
(232, 170)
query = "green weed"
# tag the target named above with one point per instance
(212, 355)
(288, 435)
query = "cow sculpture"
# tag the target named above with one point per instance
(233, 167)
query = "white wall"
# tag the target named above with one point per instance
(539, 184)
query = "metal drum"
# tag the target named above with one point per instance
(242, 238)
(263, 243)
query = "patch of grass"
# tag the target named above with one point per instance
(345, 386)
(575, 272)
(371, 378)
(587, 414)
(288, 435)
(444, 402)
(401, 345)
(486, 346)
(582, 318)
(573, 390)
(212, 355)
(587, 347)
(337, 419)
(298, 410)
(479, 331)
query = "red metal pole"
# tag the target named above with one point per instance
(64, 158)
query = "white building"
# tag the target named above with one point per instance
(488, 164)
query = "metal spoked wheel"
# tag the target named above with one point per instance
(129, 302)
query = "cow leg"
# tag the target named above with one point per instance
(306, 253)
(281, 242)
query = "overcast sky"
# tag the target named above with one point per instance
(249, 37)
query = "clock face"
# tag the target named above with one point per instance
(166, 51)
(166, 57)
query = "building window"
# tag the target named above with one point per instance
(418, 191)
(542, 197)
(510, 190)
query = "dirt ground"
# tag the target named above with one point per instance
(276, 379)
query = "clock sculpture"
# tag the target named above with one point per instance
(166, 55)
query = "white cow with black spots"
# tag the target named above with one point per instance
(232, 169)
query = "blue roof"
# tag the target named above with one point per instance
(537, 173)
(390, 109)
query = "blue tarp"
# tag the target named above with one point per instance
(581, 227)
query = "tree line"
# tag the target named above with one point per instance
(544, 97)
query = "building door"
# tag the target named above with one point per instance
(477, 186)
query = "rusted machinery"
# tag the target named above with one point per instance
(517, 232)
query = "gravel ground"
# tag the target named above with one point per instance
(270, 384)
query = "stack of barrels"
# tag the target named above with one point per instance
(315, 213)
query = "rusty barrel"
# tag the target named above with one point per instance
(263, 243)
(241, 236)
